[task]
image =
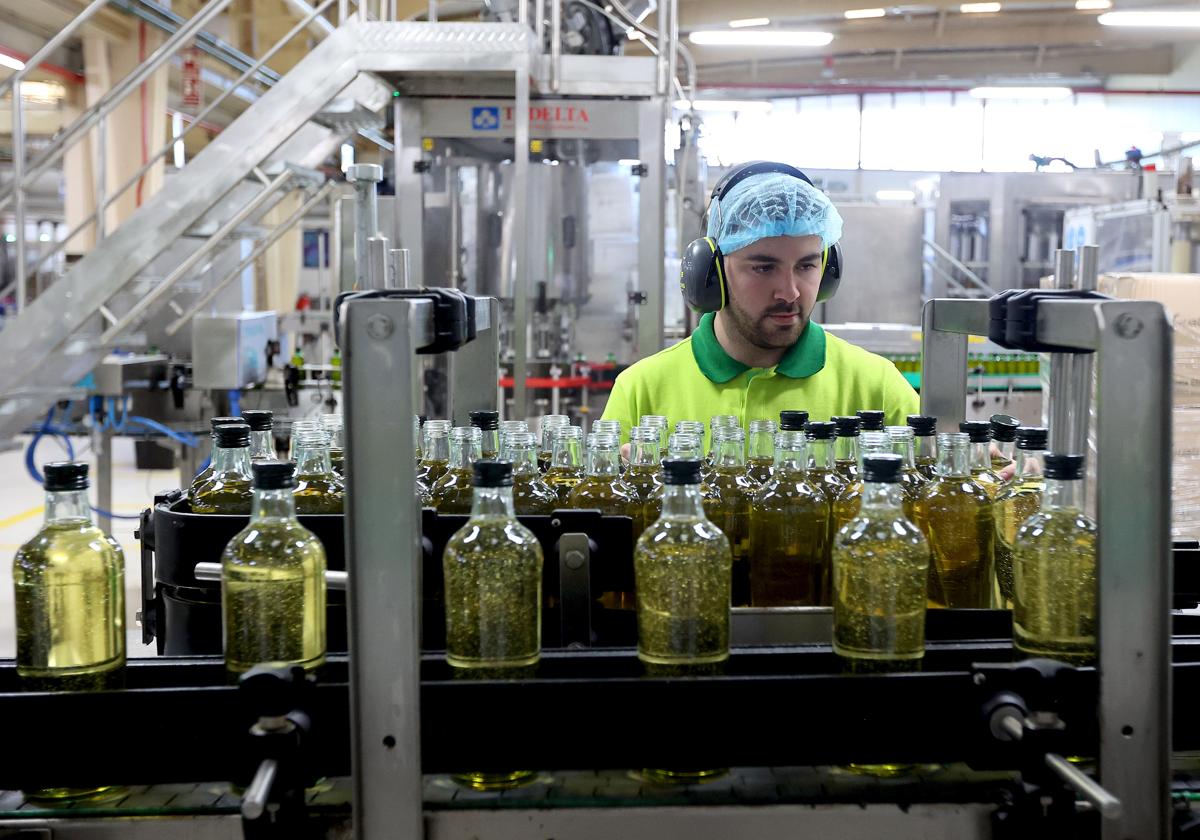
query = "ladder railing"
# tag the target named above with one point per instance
(959, 276)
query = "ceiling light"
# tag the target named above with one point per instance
(859, 14)
(978, 8)
(745, 22)
(1092, 5)
(761, 105)
(760, 38)
(1164, 20)
(895, 195)
(1021, 92)
(11, 63)
(634, 35)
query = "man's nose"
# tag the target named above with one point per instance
(790, 290)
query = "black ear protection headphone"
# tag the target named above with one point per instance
(702, 274)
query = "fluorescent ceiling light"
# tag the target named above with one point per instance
(1021, 92)
(761, 105)
(1165, 20)
(977, 8)
(859, 14)
(11, 63)
(745, 22)
(634, 35)
(895, 195)
(760, 38)
(1092, 5)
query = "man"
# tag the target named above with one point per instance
(760, 353)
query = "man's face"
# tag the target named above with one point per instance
(773, 288)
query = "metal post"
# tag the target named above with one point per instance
(383, 557)
(1082, 366)
(18, 177)
(101, 177)
(408, 217)
(398, 269)
(945, 325)
(376, 263)
(520, 205)
(652, 202)
(1058, 399)
(477, 365)
(555, 44)
(104, 481)
(364, 176)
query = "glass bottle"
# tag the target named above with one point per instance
(911, 481)
(452, 492)
(531, 495)
(872, 420)
(822, 467)
(1004, 435)
(789, 533)
(925, 443)
(1020, 499)
(729, 509)
(206, 473)
(645, 463)
(262, 437)
(488, 423)
(880, 573)
(607, 427)
(681, 445)
(69, 595)
(1054, 571)
(955, 513)
(847, 504)
(435, 453)
(979, 432)
(332, 424)
(318, 489)
(792, 421)
(546, 428)
(492, 568)
(566, 463)
(846, 446)
(694, 427)
(719, 421)
(602, 487)
(227, 490)
(761, 457)
(273, 581)
(508, 427)
(659, 422)
(417, 439)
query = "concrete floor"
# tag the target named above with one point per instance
(21, 517)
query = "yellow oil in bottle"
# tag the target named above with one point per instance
(760, 454)
(980, 435)
(729, 509)
(604, 490)
(846, 506)
(452, 492)
(531, 495)
(318, 489)
(332, 424)
(924, 444)
(566, 462)
(435, 453)
(227, 489)
(1018, 501)
(846, 446)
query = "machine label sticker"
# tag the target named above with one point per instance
(485, 118)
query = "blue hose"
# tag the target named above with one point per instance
(31, 451)
(182, 437)
(235, 403)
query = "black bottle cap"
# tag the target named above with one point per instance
(259, 420)
(493, 474)
(488, 421)
(847, 426)
(65, 475)
(1066, 467)
(1004, 427)
(681, 470)
(792, 421)
(978, 431)
(1033, 437)
(883, 467)
(274, 475)
(232, 436)
(872, 420)
(922, 425)
(821, 430)
(218, 422)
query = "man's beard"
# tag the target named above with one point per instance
(764, 334)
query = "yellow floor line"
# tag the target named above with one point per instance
(20, 517)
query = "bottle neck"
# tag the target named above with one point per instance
(566, 453)
(1008, 449)
(313, 460)
(762, 446)
(926, 448)
(682, 500)
(881, 497)
(463, 454)
(821, 455)
(235, 459)
(262, 444)
(492, 501)
(273, 504)
(490, 441)
(1031, 463)
(954, 462)
(981, 456)
(730, 453)
(604, 463)
(1063, 494)
(437, 448)
(904, 448)
(524, 461)
(646, 453)
(788, 459)
(846, 448)
(67, 506)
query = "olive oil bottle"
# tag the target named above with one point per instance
(1004, 435)
(262, 437)
(493, 591)
(417, 442)
(880, 572)
(694, 427)
(206, 473)
(508, 427)
(602, 487)
(955, 514)
(227, 490)
(273, 581)
(488, 423)
(318, 489)
(333, 425)
(760, 459)
(546, 428)
(925, 443)
(531, 495)
(1054, 571)
(566, 464)
(659, 422)
(729, 509)
(645, 464)
(872, 420)
(452, 492)
(822, 467)
(846, 506)
(681, 445)
(718, 421)
(607, 427)
(846, 446)
(1020, 499)
(789, 533)
(435, 453)
(69, 593)
(911, 481)
(979, 433)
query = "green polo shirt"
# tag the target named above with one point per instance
(821, 374)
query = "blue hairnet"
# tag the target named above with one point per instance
(772, 204)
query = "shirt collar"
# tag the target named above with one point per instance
(802, 359)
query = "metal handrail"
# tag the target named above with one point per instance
(958, 264)
(166, 147)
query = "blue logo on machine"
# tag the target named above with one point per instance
(485, 118)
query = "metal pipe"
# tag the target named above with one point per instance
(520, 206)
(1107, 804)
(319, 24)
(664, 71)
(1082, 366)
(101, 175)
(523, 16)
(672, 7)
(1059, 395)
(257, 796)
(364, 176)
(60, 38)
(212, 571)
(377, 262)
(433, 11)
(266, 242)
(555, 44)
(343, 11)
(19, 187)
(196, 256)
(399, 268)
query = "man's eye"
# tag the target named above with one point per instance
(762, 269)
